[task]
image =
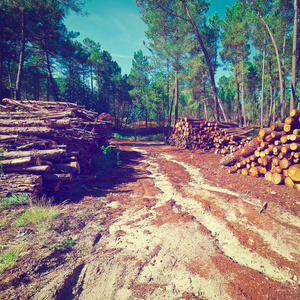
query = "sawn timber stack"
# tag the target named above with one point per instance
(222, 137)
(274, 154)
(45, 145)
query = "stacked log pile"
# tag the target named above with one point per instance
(274, 154)
(45, 144)
(223, 137)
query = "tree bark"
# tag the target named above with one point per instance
(42, 154)
(239, 121)
(247, 150)
(176, 94)
(282, 116)
(284, 104)
(207, 59)
(294, 57)
(262, 87)
(50, 78)
(21, 58)
(243, 95)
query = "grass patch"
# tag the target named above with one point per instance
(63, 245)
(9, 258)
(132, 137)
(14, 199)
(41, 213)
(106, 161)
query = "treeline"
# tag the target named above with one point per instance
(41, 60)
(257, 42)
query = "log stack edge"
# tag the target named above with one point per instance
(45, 145)
(274, 154)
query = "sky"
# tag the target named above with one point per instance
(117, 26)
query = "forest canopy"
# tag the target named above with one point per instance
(257, 42)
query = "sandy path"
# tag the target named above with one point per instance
(168, 250)
(178, 236)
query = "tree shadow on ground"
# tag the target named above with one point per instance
(102, 178)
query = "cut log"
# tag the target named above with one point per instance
(27, 169)
(286, 148)
(295, 147)
(17, 184)
(37, 131)
(276, 127)
(254, 172)
(268, 176)
(16, 162)
(71, 167)
(245, 171)
(288, 128)
(277, 178)
(262, 170)
(8, 138)
(294, 172)
(42, 154)
(263, 132)
(266, 160)
(294, 138)
(276, 135)
(285, 163)
(295, 113)
(58, 177)
(289, 182)
(247, 150)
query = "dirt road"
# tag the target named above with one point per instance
(181, 227)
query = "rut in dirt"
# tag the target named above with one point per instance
(180, 236)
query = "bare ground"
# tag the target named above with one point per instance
(167, 224)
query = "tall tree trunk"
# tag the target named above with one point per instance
(262, 87)
(238, 103)
(271, 105)
(243, 96)
(1, 75)
(53, 86)
(92, 84)
(284, 104)
(204, 101)
(207, 59)
(274, 106)
(168, 93)
(37, 85)
(145, 109)
(171, 108)
(282, 116)
(21, 58)
(222, 109)
(176, 93)
(11, 88)
(83, 85)
(294, 57)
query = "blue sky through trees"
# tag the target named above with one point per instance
(117, 26)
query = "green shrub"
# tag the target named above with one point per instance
(14, 199)
(40, 212)
(9, 258)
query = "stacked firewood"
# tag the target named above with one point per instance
(274, 154)
(223, 137)
(45, 144)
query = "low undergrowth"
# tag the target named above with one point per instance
(20, 214)
(130, 137)
(9, 257)
(40, 213)
(14, 199)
